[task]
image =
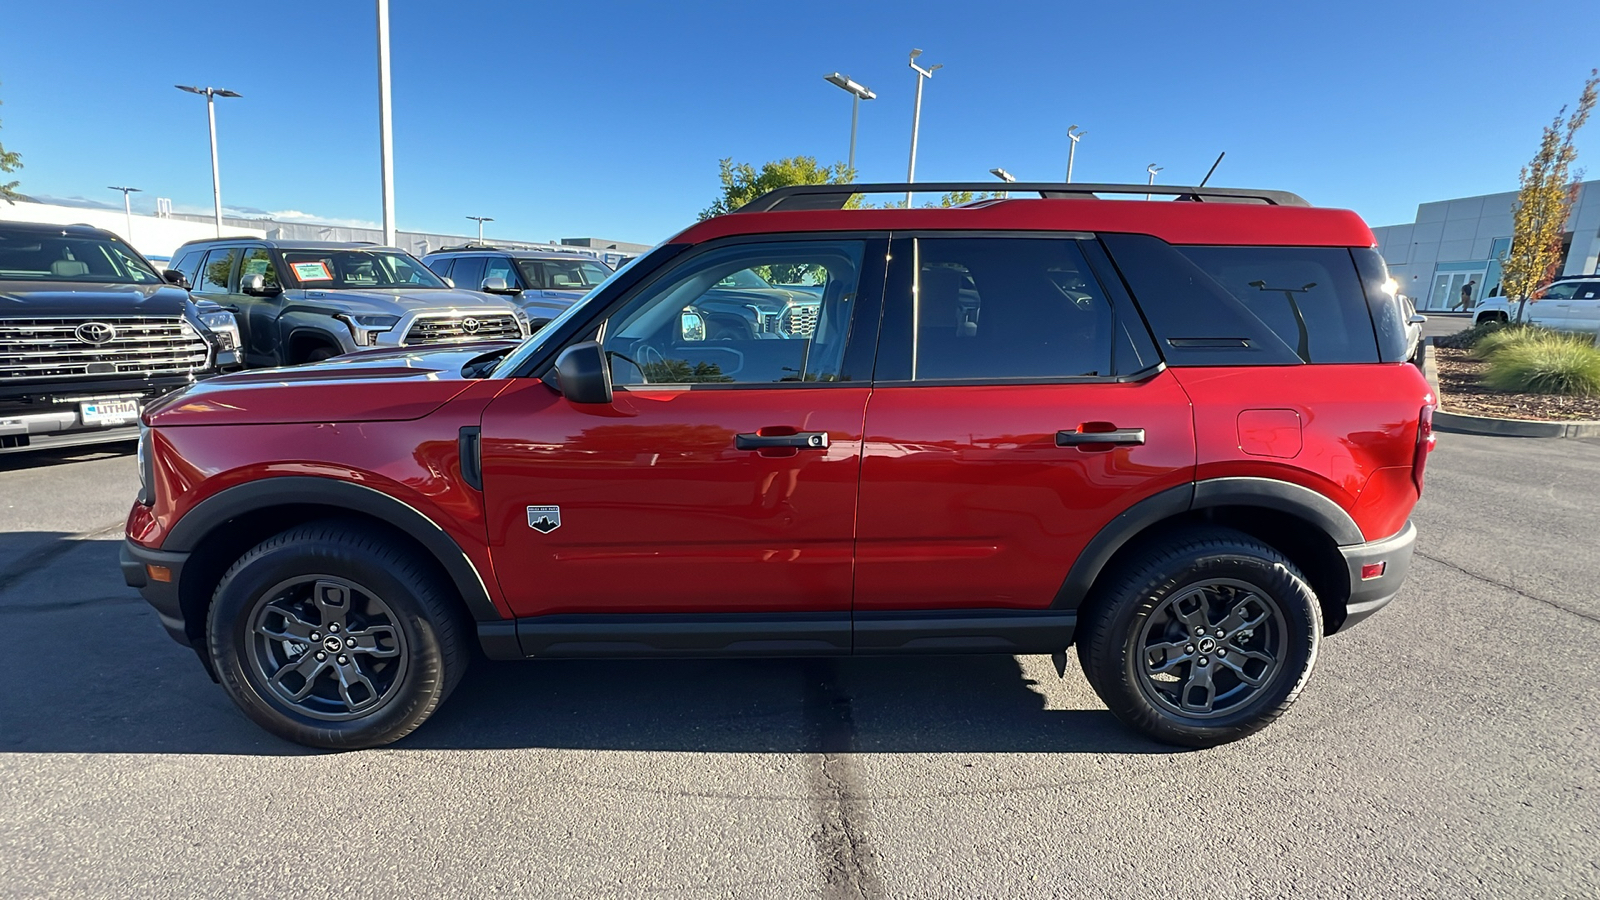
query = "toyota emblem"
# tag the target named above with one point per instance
(96, 333)
(469, 325)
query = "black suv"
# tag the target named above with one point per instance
(89, 333)
(303, 301)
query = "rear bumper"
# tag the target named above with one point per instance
(161, 595)
(1369, 595)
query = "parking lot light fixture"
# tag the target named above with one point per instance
(480, 220)
(1152, 169)
(859, 93)
(916, 117)
(211, 94)
(1074, 135)
(127, 207)
(1005, 176)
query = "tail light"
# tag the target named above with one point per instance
(1425, 441)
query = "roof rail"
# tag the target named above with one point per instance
(835, 196)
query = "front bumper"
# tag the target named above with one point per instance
(37, 416)
(162, 595)
(1369, 595)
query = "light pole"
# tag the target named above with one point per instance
(211, 94)
(916, 117)
(1152, 169)
(385, 129)
(860, 93)
(127, 208)
(1005, 176)
(480, 220)
(1075, 136)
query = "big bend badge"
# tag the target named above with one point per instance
(544, 519)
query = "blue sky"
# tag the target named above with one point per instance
(607, 119)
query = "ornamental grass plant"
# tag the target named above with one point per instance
(1542, 362)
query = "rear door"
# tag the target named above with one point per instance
(723, 476)
(1018, 407)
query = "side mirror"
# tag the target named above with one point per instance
(584, 374)
(1417, 319)
(693, 326)
(256, 285)
(448, 282)
(496, 285)
(173, 276)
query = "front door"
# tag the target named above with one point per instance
(1008, 424)
(258, 314)
(723, 476)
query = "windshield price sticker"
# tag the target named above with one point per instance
(312, 271)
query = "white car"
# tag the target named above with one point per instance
(1414, 323)
(1570, 304)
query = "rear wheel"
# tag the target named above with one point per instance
(1205, 640)
(330, 635)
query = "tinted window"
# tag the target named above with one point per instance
(440, 267)
(257, 261)
(1309, 296)
(468, 272)
(1008, 308)
(691, 326)
(189, 264)
(32, 255)
(215, 270)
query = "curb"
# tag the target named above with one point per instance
(1461, 423)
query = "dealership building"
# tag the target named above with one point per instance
(1455, 244)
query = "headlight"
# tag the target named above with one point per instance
(522, 322)
(147, 473)
(365, 329)
(224, 327)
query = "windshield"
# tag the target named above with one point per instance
(743, 279)
(535, 342)
(355, 269)
(32, 256)
(563, 274)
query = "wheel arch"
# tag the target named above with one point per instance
(1303, 525)
(224, 526)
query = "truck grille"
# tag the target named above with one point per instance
(800, 321)
(441, 329)
(128, 345)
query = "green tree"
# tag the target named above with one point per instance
(743, 182)
(9, 162)
(1548, 187)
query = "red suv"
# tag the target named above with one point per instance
(1181, 434)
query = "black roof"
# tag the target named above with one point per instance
(277, 244)
(516, 252)
(835, 196)
(43, 228)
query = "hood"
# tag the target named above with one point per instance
(396, 301)
(35, 299)
(374, 386)
(770, 299)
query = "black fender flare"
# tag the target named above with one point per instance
(289, 490)
(306, 320)
(1267, 493)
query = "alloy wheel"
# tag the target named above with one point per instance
(1211, 648)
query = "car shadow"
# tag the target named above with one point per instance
(23, 460)
(89, 670)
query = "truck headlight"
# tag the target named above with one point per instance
(522, 322)
(224, 327)
(365, 329)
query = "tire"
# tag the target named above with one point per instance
(318, 354)
(1152, 670)
(336, 612)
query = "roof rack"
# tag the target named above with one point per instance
(835, 196)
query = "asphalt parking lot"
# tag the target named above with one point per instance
(1447, 747)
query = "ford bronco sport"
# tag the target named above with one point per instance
(1179, 434)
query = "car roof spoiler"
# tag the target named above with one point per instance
(835, 196)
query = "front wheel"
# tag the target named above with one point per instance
(331, 635)
(1204, 640)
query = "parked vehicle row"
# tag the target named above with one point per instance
(1181, 436)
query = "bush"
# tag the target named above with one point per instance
(1466, 340)
(1546, 363)
(1502, 337)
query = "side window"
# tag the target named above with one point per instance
(215, 270)
(499, 267)
(1588, 290)
(441, 267)
(747, 314)
(988, 308)
(1560, 291)
(189, 264)
(468, 272)
(258, 261)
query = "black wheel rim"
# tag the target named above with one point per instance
(1211, 649)
(326, 647)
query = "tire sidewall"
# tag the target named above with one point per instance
(228, 630)
(1303, 627)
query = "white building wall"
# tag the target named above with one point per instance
(155, 237)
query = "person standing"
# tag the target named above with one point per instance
(1466, 295)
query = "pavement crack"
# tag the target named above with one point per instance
(847, 860)
(1582, 614)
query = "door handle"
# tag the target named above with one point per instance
(804, 440)
(1132, 436)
